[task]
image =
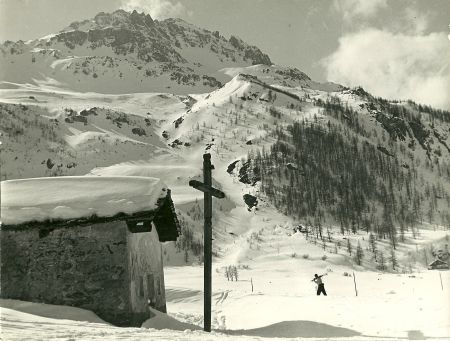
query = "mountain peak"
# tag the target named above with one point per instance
(122, 50)
(117, 19)
(171, 33)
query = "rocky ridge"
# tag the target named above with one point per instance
(133, 47)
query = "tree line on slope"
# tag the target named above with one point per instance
(316, 173)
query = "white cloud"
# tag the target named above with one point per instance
(358, 9)
(394, 65)
(158, 9)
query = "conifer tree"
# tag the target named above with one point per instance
(234, 273)
(373, 245)
(230, 272)
(393, 259)
(359, 254)
(381, 261)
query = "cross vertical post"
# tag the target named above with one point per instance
(209, 192)
(207, 282)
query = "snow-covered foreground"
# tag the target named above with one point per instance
(283, 304)
(22, 326)
(275, 297)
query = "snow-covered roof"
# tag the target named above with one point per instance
(77, 197)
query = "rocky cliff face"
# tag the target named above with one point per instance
(92, 55)
(163, 41)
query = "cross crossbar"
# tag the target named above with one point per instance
(207, 189)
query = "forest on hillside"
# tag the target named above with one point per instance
(339, 172)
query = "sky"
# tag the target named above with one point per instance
(398, 49)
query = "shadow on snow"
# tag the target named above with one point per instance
(291, 329)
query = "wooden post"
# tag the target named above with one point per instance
(209, 192)
(208, 244)
(354, 280)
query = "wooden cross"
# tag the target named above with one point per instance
(209, 192)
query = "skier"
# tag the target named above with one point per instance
(320, 286)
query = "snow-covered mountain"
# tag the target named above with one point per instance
(127, 52)
(246, 117)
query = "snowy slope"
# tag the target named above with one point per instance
(47, 137)
(261, 243)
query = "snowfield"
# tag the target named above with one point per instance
(283, 305)
(274, 296)
(387, 305)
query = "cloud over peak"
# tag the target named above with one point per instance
(358, 9)
(394, 65)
